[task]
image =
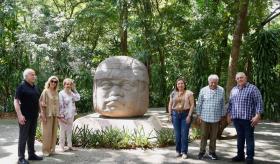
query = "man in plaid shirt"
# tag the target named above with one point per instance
(210, 110)
(245, 108)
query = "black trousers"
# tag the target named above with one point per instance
(27, 134)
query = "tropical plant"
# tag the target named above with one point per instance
(265, 48)
(165, 137)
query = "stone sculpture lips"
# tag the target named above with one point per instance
(113, 102)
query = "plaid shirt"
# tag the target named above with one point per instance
(245, 102)
(210, 105)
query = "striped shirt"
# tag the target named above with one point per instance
(210, 105)
(245, 102)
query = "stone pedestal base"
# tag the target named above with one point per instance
(97, 122)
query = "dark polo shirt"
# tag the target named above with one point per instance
(28, 95)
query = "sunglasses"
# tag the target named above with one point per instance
(54, 81)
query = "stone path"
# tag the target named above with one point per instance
(267, 148)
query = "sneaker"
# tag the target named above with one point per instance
(46, 154)
(213, 156)
(200, 155)
(249, 161)
(178, 155)
(61, 149)
(184, 156)
(237, 159)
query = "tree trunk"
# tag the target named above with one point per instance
(248, 67)
(123, 27)
(234, 55)
(144, 10)
(236, 43)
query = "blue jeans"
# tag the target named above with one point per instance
(245, 132)
(181, 129)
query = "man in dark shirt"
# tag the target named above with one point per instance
(26, 104)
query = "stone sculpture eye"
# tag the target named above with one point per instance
(127, 85)
(106, 84)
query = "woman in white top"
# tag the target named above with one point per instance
(67, 110)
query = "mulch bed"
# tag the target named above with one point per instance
(8, 115)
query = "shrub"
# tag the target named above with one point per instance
(38, 135)
(81, 136)
(140, 139)
(85, 103)
(122, 139)
(108, 137)
(126, 141)
(165, 137)
(196, 134)
(8, 105)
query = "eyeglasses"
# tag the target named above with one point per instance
(54, 81)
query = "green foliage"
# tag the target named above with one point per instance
(126, 141)
(8, 105)
(196, 134)
(11, 61)
(179, 38)
(140, 138)
(265, 45)
(110, 138)
(122, 139)
(201, 69)
(165, 137)
(85, 103)
(39, 135)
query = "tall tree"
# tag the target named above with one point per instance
(11, 59)
(123, 26)
(236, 43)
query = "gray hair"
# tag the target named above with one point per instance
(26, 72)
(213, 77)
(238, 74)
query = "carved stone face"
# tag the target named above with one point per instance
(121, 87)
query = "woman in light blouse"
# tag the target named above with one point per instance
(49, 105)
(67, 110)
(181, 105)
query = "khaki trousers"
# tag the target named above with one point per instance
(49, 130)
(209, 130)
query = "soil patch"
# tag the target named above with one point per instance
(8, 115)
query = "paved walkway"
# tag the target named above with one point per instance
(267, 149)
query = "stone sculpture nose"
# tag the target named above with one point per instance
(117, 91)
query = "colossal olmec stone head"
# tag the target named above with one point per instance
(121, 87)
